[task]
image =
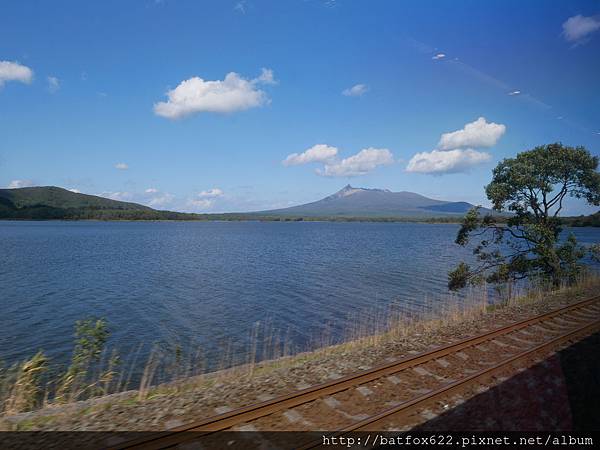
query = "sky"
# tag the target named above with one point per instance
(242, 105)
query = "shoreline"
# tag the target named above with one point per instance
(569, 222)
(281, 220)
(174, 403)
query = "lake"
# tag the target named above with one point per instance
(207, 284)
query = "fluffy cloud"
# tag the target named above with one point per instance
(475, 134)
(211, 193)
(578, 28)
(160, 200)
(13, 71)
(452, 161)
(454, 152)
(438, 56)
(121, 166)
(317, 153)
(14, 184)
(204, 200)
(515, 92)
(200, 204)
(363, 162)
(196, 95)
(151, 197)
(53, 84)
(356, 91)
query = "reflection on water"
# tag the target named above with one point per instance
(209, 284)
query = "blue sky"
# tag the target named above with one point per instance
(133, 99)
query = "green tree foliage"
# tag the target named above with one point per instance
(532, 187)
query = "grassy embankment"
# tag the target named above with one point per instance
(95, 371)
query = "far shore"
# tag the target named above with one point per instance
(567, 221)
(261, 219)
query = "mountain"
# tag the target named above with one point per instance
(55, 197)
(350, 203)
(50, 202)
(362, 202)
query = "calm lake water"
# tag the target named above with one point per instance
(208, 284)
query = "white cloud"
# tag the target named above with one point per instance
(14, 184)
(475, 134)
(121, 166)
(578, 28)
(151, 197)
(449, 161)
(363, 162)
(515, 92)
(356, 91)
(204, 200)
(13, 71)
(76, 191)
(317, 153)
(211, 193)
(266, 77)
(53, 84)
(455, 153)
(160, 200)
(120, 196)
(200, 204)
(438, 56)
(196, 95)
(240, 7)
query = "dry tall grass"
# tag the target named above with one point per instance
(31, 385)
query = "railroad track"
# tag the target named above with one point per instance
(387, 395)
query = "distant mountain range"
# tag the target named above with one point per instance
(50, 202)
(55, 197)
(361, 202)
(350, 203)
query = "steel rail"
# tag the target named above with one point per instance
(450, 388)
(252, 412)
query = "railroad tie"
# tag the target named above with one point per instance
(295, 417)
(522, 341)
(394, 379)
(442, 362)
(332, 402)
(462, 355)
(364, 391)
(561, 332)
(424, 372)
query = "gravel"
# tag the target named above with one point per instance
(203, 396)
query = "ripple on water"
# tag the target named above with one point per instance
(208, 284)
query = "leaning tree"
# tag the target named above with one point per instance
(524, 243)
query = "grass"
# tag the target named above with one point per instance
(33, 384)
